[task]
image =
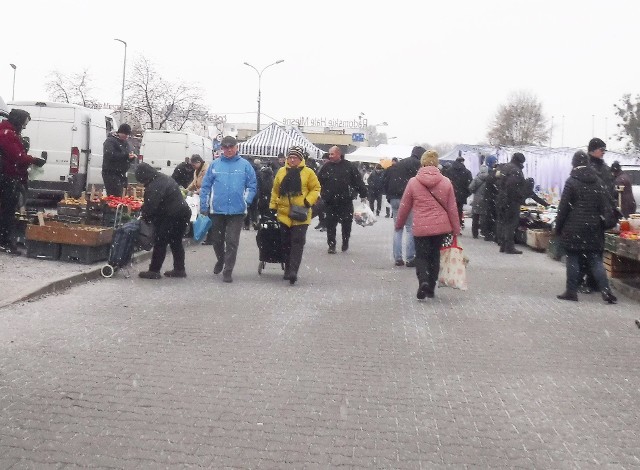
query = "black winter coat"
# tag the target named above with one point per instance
(338, 181)
(580, 215)
(397, 176)
(183, 174)
(115, 156)
(461, 178)
(162, 195)
(376, 181)
(512, 187)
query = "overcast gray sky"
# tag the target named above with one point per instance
(435, 71)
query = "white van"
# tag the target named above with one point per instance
(164, 150)
(72, 137)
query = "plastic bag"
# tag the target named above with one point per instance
(194, 204)
(146, 235)
(201, 226)
(453, 269)
(363, 215)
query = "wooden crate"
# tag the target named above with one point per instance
(611, 242)
(538, 239)
(628, 248)
(618, 266)
(70, 234)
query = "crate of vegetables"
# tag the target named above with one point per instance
(70, 234)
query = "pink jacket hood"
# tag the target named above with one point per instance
(431, 198)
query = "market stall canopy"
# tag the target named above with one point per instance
(275, 139)
(364, 154)
(549, 167)
(389, 151)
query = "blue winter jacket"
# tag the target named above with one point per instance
(233, 183)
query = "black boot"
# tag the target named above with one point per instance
(608, 296)
(568, 295)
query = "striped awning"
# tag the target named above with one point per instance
(275, 139)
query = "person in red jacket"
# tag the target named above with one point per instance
(430, 197)
(14, 164)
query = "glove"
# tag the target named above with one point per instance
(39, 161)
(363, 200)
(273, 212)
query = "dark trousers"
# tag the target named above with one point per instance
(375, 197)
(488, 224)
(475, 225)
(251, 218)
(508, 220)
(593, 260)
(428, 258)
(226, 238)
(9, 195)
(338, 214)
(114, 183)
(293, 239)
(460, 205)
(169, 231)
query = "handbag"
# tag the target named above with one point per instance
(201, 226)
(298, 213)
(453, 270)
(146, 235)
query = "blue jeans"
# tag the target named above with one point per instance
(410, 247)
(594, 262)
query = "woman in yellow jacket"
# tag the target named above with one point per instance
(294, 184)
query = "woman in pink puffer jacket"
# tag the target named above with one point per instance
(430, 196)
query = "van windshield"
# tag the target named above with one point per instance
(634, 176)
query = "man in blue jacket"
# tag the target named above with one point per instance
(229, 186)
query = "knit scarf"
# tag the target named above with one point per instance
(291, 183)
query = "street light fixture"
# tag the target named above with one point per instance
(124, 69)
(13, 90)
(259, 83)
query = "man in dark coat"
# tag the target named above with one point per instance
(116, 158)
(461, 178)
(183, 172)
(622, 180)
(165, 207)
(580, 228)
(339, 178)
(376, 188)
(512, 191)
(488, 205)
(396, 178)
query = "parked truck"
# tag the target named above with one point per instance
(164, 150)
(72, 137)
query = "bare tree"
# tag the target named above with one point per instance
(519, 122)
(161, 104)
(628, 109)
(74, 89)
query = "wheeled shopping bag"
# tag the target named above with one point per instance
(269, 244)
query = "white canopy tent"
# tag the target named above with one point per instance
(364, 154)
(275, 139)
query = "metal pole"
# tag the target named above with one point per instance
(124, 70)
(259, 87)
(13, 90)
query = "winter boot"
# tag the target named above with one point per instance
(608, 296)
(568, 295)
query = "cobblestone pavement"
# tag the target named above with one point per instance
(345, 369)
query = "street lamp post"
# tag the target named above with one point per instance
(259, 83)
(124, 69)
(13, 90)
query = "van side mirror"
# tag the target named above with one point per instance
(168, 162)
(44, 155)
